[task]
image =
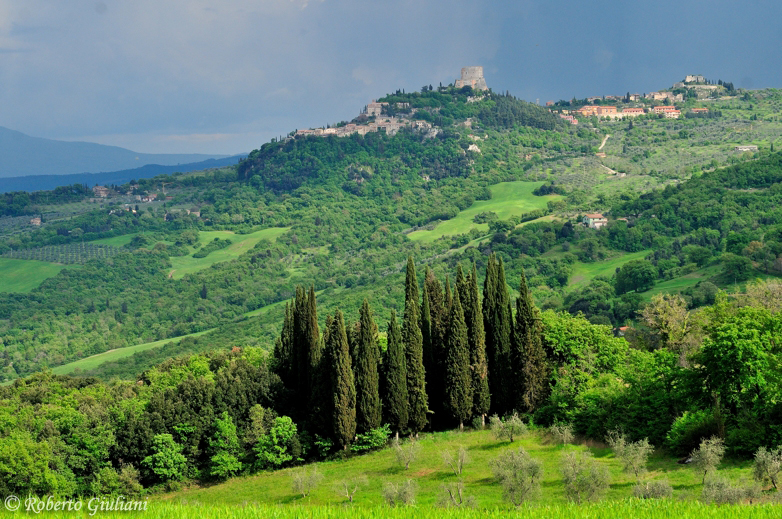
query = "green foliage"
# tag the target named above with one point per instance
(413, 342)
(373, 439)
(166, 462)
(394, 387)
(368, 409)
(340, 388)
(708, 456)
(637, 275)
(584, 479)
(212, 246)
(509, 428)
(458, 383)
(689, 429)
(519, 474)
(768, 465)
(225, 448)
(633, 455)
(279, 446)
(653, 490)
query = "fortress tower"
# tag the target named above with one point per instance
(473, 77)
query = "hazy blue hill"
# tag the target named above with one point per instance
(22, 155)
(48, 182)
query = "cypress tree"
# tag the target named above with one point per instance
(497, 323)
(458, 384)
(411, 335)
(366, 370)
(477, 341)
(301, 360)
(283, 348)
(394, 386)
(342, 391)
(528, 359)
(433, 362)
(426, 335)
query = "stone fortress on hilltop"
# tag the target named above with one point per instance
(472, 77)
(377, 116)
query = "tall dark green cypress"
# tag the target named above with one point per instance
(368, 414)
(458, 386)
(283, 348)
(433, 359)
(342, 406)
(394, 383)
(426, 336)
(497, 323)
(477, 340)
(411, 335)
(528, 358)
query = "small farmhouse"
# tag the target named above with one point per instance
(595, 220)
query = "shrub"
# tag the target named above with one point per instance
(374, 439)
(402, 494)
(167, 461)
(279, 446)
(406, 453)
(507, 429)
(706, 457)
(519, 474)
(633, 455)
(689, 429)
(653, 490)
(562, 433)
(456, 461)
(722, 491)
(304, 481)
(768, 465)
(584, 479)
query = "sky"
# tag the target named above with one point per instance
(223, 77)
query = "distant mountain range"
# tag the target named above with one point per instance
(22, 155)
(48, 182)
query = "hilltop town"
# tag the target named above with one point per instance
(376, 117)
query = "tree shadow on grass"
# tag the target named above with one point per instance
(394, 469)
(293, 498)
(493, 446)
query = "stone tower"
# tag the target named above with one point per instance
(472, 77)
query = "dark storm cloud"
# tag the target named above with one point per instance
(206, 76)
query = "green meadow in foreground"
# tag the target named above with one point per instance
(430, 474)
(625, 509)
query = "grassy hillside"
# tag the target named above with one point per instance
(507, 199)
(241, 243)
(24, 275)
(430, 473)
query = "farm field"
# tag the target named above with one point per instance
(584, 272)
(109, 356)
(21, 276)
(507, 199)
(241, 243)
(430, 473)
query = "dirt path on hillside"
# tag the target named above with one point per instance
(605, 139)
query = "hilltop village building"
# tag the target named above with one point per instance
(470, 76)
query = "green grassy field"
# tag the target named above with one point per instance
(584, 272)
(241, 243)
(94, 361)
(507, 199)
(625, 509)
(430, 473)
(17, 275)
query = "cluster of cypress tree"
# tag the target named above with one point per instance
(454, 358)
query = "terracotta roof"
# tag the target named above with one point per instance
(594, 215)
